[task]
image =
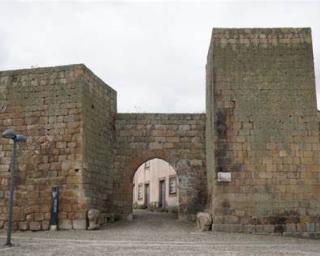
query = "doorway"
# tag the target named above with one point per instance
(156, 187)
(147, 195)
(162, 194)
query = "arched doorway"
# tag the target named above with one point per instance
(178, 139)
(156, 186)
(189, 176)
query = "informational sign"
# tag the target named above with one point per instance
(54, 208)
(224, 176)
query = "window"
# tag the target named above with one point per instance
(134, 192)
(172, 185)
(147, 165)
(140, 191)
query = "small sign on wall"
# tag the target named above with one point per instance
(224, 176)
(54, 208)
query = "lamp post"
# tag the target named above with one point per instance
(11, 134)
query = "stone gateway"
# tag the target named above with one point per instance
(252, 161)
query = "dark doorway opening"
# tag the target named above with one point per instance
(162, 194)
(147, 195)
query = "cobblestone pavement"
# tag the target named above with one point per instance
(153, 234)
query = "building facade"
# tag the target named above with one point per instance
(155, 185)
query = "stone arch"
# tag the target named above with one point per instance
(141, 157)
(177, 139)
(173, 160)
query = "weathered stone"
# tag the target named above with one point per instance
(94, 219)
(130, 217)
(176, 146)
(35, 226)
(23, 226)
(45, 225)
(65, 224)
(311, 227)
(261, 126)
(256, 126)
(235, 228)
(217, 227)
(38, 216)
(291, 228)
(204, 221)
(301, 227)
(79, 224)
(249, 228)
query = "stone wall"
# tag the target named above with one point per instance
(178, 139)
(99, 113)
(43, 104)
(78, 142)
(262, 127)
(68, 115)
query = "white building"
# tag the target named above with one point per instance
(155, 184)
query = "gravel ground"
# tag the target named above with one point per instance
(153, 234)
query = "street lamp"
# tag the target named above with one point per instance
(11, 134)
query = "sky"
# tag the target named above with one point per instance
(152, 53)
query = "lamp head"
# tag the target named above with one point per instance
(9, 134)
(20, 137)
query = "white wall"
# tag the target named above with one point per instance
(158, 170)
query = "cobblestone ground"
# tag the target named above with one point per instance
(153, 234)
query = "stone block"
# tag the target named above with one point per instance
(306, 234)
(204, 221)
(130, 217)
(23, 226)
(80, 224)
(292, 234)
(94, 219)
(35, 226)
(291, 228)
(265, 229)
(231, 228)
(218, 227)
(45, 224)
(217, 219)
(231, 219)
(38, 216)
(73, 180)
(65, 224)
(238, 228)
(249, 228)
(61, 145)
(311, 227)
(314, 235)
(196, 162)
(268, 228)
(301, 227)
(155, 145)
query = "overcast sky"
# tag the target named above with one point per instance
(153, 54)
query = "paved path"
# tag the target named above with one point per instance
(154, 234)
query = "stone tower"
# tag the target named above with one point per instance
(263, 130)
